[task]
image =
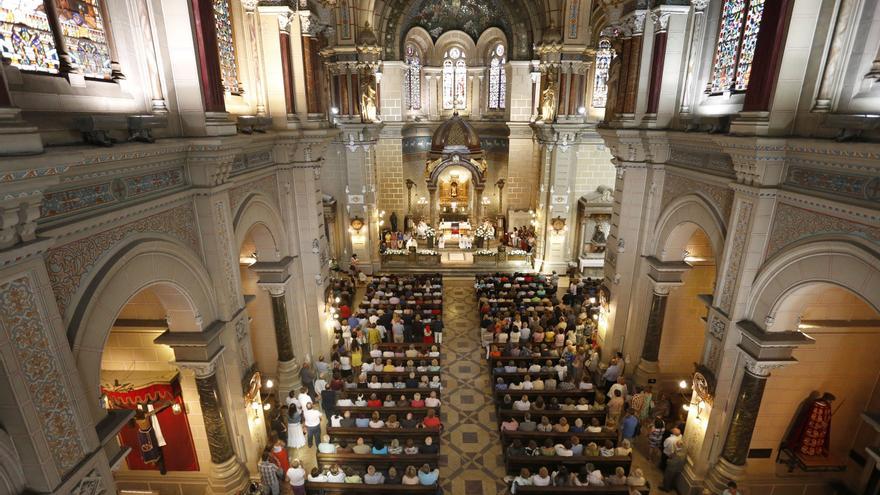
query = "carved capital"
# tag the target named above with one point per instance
(699, 5)
(762, 368)
(249, 5)
(284, 23)
(202, 369)
(210, 168)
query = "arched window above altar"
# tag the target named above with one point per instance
(27, 39)
(497, 78)
(412, 78)
(735, 49)
(454, 80)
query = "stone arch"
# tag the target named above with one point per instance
(843, 263)
(258, 217)
(422, 40)
(454, 38)
(487, 42)
(679, 220)
(141, 265)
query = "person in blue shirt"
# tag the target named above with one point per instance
(362, 422)
(379, 447)
(628, 425)
(427, 476)
(326, 446)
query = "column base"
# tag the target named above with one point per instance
(16, 136)
(218, 124)
(227, 477)
(645, 371)
(722, 472)
(288, 377)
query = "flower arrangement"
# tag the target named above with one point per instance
(396, 251)
(484, 231)
(427, 252)
(517, 252)
(485, 252)
(430, 232)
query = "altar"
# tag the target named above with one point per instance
(452, 230)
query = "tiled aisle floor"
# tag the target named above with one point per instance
(471, 458)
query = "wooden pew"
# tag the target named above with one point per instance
(509, 377)
(546, 394)
(591, 490)
(523, 359)
(401, 374)
(368, 434)
(605, 464)
(403, 346)
(395, 392)
(385, 411)
(553, 416)
(401, 361)
(382, 462)
(364, 489)
(585, 437)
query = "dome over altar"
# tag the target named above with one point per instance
(456, 135)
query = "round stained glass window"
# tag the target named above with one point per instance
(454, 53)
(499, 50)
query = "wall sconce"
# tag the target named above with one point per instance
(334, 111)
(357, 223)
(558, 225)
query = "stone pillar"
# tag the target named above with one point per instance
(251, 23)
(695, 50)
(432, 198)
(836, 55)
(478, 205)
(274, 278)
(663, 275)
(227, 474)
(658, 56)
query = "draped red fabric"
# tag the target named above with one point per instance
(179, 452)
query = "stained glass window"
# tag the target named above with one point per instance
(25, 36)
(749, 41)
(226, 46)
(497, 79)
(83, 28)
(603, 61)
(454, 80)
(412, 79)
(737, 37)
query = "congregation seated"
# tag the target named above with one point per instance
(585, 476)
(371, 475)
(362, 418)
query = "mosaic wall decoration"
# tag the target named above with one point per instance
(251, 160)
(33, 355)
(471, 16)
(25, 36)
(84, 33)
(600, 84)
(737, 250)
(791, 224)
(266, 185)
(412, 79)
(68, 264)
(226, 46)
(497, 79)
(676, 186)
(853, 186)
(77, 200)
(573, 14)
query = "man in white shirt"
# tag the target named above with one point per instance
(669, 443)
(296, 475)
(523, 404)
(304, 398)
(620, 385)
(312, 420)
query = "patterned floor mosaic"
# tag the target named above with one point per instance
(471, 459)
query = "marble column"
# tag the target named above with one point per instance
(432, 192)
(836, 56)
(151, 61)
(653, 332)
(658, 56)
(209, 57)
(274, 278)
(227, 474)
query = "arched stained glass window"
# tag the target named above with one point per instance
(454, 80)
(226, 46)
(737, 37)
(603, 61)
(497, 79)
(412, 79)
(26, 36)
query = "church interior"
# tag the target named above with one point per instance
(467, 247)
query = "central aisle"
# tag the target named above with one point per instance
(471, 459)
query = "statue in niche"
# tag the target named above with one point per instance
(548, 99)
(599, 237)
(393, 220)
(369, 112)
(453, 189)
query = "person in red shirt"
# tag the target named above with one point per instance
(417, 401)
(374, 401)
(431, 420)
(344, 311)
(429, 335)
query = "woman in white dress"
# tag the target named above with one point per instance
(295, 437)
(441, 242)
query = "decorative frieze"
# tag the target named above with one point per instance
(114, 191)
(849, 185)
(700, 160)
(737, 253)
(251, 160)
(266, 185)
(791, 224)
(40, 372)
(69, 263)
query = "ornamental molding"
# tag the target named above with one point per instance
(201, 369)
(675, 186)
(847, 212)
(266, 185)
(762, 368)
(699, 5)
(737, 249)
(224, 241)
(91, 484)
(118, 169)
(634, 23)
(717, 328)
(249, 5)
(284, 23)
(792, 224)
(660, 19)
